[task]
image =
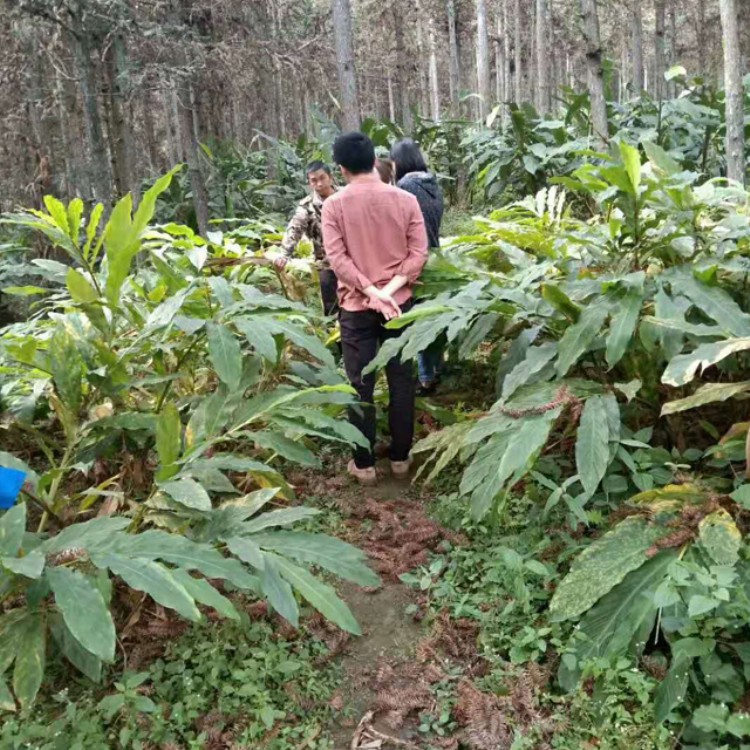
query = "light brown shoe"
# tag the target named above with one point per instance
(400, 469)
(366, 477)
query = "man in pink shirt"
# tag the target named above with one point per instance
(376, 243)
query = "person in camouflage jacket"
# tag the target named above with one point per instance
(306, 223)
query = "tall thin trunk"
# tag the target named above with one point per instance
(423, 63)
(517, 50)
(735, 138)
(65, 107)
(673, 46)
(342, 29)
(636, 21)
(660, 11)
(391, 99)
(455, 64)
(499, 62)
(434, 80)
(403, 76)
(99, 168)
(542, 58)
(155, 161)
(483, 59)
(592, 38)
(508, 95)
(120, 132)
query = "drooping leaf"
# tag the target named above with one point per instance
(332, 554)
(632, 160)
(226, 356)
(279, 592)
(602, 565)
(187, 492)
(537, 358)
(247, 550)
(168, 435)
(720, 537)
(80, 288)
(671, 690)
(153, 579)
(706, 394)
(12, 529)
(6, 699)
(30, 566)
(259, 335)
(622, 327)
(84, 661)
(84, 611)
(717, 304)
(578, 337)
(319, 594)
(280, 517)
(592, 445)
(202, 591)
(31, 648)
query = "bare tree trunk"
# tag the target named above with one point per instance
(120, 133)
(391, 99)
(673, 46)
(517, 50)
(455, 64)
(590, 16)
(423, 62)
(508, 93)
(637, 33)
(434, 81)
(660, 11)
(99, 171)
(483, 60)
(735, 139)
(342, 29)
(402, 68)
(542, 58)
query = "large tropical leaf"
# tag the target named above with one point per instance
(578, 337)
(592, 445)
(602, 565)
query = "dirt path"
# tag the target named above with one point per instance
(390, 635)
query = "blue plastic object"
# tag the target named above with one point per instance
(11, 481)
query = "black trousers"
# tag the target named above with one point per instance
(328, 291)
(362, 333)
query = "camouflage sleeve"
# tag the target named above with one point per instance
(294, 231)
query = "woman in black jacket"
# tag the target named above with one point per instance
(413, 176)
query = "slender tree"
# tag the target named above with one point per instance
(593, 46)
(483, 59)
(543, 98)
(434, 80)
(455, 58)
(342, 30)
(660, 32)
(517, 55)
(636, 23)
(735, 138)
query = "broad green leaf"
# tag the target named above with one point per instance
(153, 579)
(699, 605)
(592, 444)
(279, 593)
(671, 690)
(87, 535)
(332, 554)
(560, 301)
(80, 288)
(226, 356)
(187, 492)
(706, 394)
(84, 611)
(84, 661)
(280, 517)
(738, 724)
(711, 717)
(717, 304)
(57, 212)
(516, 354)
(622, 327)
(30, 566)
(67, 368)
(168, 435)
(299, 338)
(602, 565)
(91, 229)
(578, 337)
(632, 160)
(31, 648)
(202, 591)
(612, 624)
(259, 335)
(684, 367)
(291, 450)
(537, 358)
(659, 157)
(319, 594)
(6, 699)
(75, 214)
(185, 553)
(720, 537)
(247, 550)
(12, 529)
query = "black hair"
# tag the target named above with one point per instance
(316, 166)
(354, 151)
(407, 157)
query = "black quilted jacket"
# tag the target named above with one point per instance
(425, 188)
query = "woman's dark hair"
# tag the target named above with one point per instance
(407, 157)
(354, 151)
(316, 166)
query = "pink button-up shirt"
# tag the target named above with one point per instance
(371, 233)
